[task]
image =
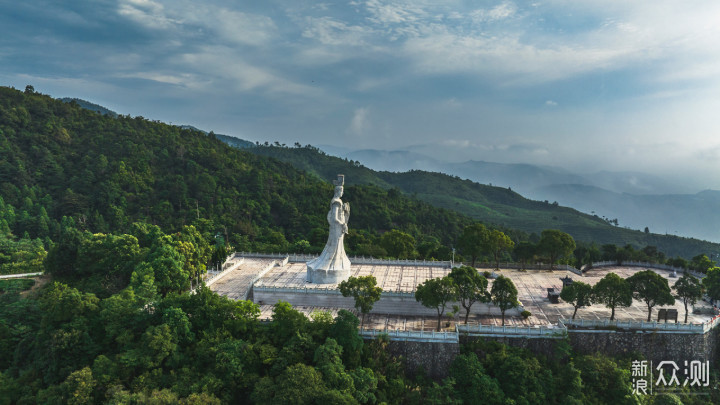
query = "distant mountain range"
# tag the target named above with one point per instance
(696, 215)
(636, 200)
(90, 106)
(523, 177)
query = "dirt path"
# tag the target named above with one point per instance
(40, 281)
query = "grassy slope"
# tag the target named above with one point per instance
(489, 204)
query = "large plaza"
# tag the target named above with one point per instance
(273, 280)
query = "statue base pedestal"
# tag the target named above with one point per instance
(331, 267)
(320, 276)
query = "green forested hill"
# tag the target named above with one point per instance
(494, 205)
(112, 321)
(59, 160)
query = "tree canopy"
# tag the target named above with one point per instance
(398, 244)
(497, 243)
(578, 294)
(504, 294)
(364, 291)
(651, 288)
(556, 244)
(689, 289)
(472, 241)
(613, 291)
(436, 293)
(711, 282)
(471, 287)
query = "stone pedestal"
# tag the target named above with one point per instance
(328, 276)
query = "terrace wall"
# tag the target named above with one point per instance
(436, 357)
(653, 345)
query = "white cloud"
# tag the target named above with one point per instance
(551, 103)
(186, 80)
(225, 25)
(245, 28)
(145, 12)
(387, 13)
(360, 122)
(499, 12)
(330, 31)
(229, 70)
(231, 27)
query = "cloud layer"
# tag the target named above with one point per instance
(588, 85)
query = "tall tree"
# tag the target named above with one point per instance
(287, 322)
(364, 290)
(474, 385)
(613, 291)
(651, 288)
(689, 289)
(504, 294)
(398, 244)
(472, 241)
(578, 294)
(497, 243)
(195, 248)
(525, 251)
(471, 287)
(711, 282)
(436, 293)
(556, 244)
(701, 263)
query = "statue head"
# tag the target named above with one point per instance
(339, 183)
(340, 180)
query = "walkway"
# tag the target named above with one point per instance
(24, 275)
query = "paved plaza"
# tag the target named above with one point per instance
(532, 292)
(389, 278)
(532, 288)
(236, 285)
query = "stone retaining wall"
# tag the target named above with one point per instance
(654, 346)
(436, 357)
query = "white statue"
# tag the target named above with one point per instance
(333, 265)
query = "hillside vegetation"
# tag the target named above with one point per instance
(494, 205)
(103, 174)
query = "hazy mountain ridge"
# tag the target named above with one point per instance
(522, 176)
(637, 200)
(90, 106)
(681, 214)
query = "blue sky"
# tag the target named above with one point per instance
(587, 85)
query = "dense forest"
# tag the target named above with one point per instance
(123, 213)
(66, 346)
(104, 173)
